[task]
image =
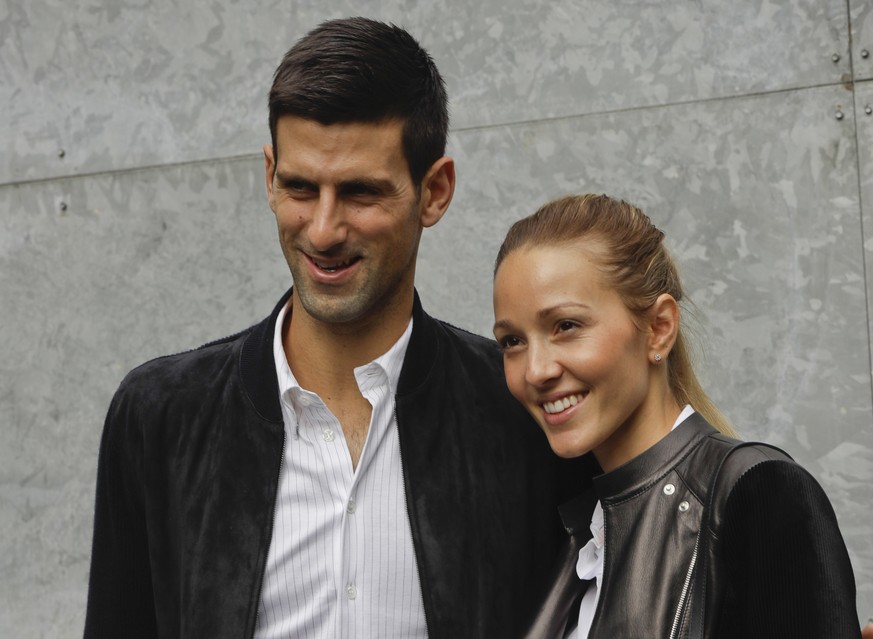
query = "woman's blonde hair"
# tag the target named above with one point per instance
(635, 263)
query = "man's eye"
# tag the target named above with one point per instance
(299, 187)
(362, 191)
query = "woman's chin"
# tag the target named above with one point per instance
(567, 446)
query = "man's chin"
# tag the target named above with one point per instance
(334, 309)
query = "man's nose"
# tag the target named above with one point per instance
(327, 228)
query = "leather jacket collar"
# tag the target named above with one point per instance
(648, 467)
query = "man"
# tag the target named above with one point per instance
(349, 467)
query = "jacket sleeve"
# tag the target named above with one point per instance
(120, 599)
(787, 572)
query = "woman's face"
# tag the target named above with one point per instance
(573, 355)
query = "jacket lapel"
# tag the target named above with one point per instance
(561, 601)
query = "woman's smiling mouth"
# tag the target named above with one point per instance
(560, 405)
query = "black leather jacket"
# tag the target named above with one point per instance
(775, 562)
(189, 467)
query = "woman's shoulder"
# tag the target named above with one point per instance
(744, 457)
(758, 481)
(753, 476)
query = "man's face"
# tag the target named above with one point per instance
(349, 217)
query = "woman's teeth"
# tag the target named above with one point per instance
(562, 404)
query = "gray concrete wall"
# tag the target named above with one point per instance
(133, 220)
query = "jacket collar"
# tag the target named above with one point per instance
(258, 369)
(421, 354)
(646, 468)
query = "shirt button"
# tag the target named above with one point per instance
(327, 435)
(351, 506)
(305, 401)
(684, 506)
(352, 592)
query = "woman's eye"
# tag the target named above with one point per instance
(506, 343)
(566, 325)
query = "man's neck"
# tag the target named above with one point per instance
(323, 357)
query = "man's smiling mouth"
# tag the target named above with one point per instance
(333, 266)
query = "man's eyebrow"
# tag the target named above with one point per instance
(289, 178)
(376, 185)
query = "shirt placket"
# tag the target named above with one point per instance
(354, 533)
(327, 432)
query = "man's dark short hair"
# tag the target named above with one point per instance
(362, 70)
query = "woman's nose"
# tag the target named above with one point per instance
(542, 366)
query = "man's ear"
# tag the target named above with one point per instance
(269, 170)
(663, 324)
(437, 189)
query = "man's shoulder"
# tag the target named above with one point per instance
(197, 367)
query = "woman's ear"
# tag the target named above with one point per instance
(663, 324)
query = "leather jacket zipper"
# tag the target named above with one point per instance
(683, 597)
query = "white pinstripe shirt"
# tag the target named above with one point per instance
(341, 562)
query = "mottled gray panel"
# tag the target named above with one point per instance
(864, 99)
(139, 264)
(861, 13)
(118, 86)
(530, 60)
(758, 197)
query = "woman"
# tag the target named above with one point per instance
(684, 534)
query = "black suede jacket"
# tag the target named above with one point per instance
(776, 563)
(188, 474)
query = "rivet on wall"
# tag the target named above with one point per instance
(865, 54)
(838, 114)
(868, 110)
(835, 58)
(61, 153)
(62, 206)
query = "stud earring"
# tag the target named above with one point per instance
(657, 357)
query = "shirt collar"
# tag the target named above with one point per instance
(390, 363)
(685, 414)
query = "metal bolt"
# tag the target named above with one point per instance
(835, 58)
(63, 206)
(61, 153)
(865, 54)
(868, 110)
(838, 114)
